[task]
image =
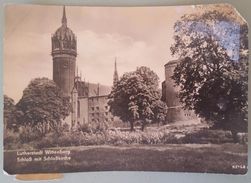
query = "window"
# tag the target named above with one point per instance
(92, 108)
(97, 108)
(106, 107)
(92, 114)
(78, 108)
(106, 113)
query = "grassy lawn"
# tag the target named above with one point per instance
(211, 158)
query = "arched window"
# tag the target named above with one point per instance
(78, 108)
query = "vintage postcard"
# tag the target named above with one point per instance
(125, 89)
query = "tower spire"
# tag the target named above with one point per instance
(115, 64)
(115, 75)
(64, 19)
(77, 71)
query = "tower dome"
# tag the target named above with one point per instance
(64, 40)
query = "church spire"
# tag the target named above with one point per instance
(115, 75)
(64, 20)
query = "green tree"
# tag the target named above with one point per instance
(43, 104)
(213, 71)
(134, 97)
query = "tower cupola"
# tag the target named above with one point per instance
(64, 40)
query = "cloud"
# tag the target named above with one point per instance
(136, 36)
(97, 52)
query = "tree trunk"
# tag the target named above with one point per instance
(132, 126)
(143, 126)
(235, 137)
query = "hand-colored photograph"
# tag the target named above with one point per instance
(125, 89)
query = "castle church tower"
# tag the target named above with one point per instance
(64, 53)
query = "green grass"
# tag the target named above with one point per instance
(209, 158)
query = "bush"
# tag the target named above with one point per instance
(50, 140)
(11, 139)
(28, 134)
(94, 127)
(68, 139)
(209, 136)
(171, 135)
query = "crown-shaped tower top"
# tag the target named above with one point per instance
(64, 40)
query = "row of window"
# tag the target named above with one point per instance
(97, 108)
(99, 120)
(187, 114)
(97, 99)
(98, 114)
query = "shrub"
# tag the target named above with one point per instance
(50, 140)
(209, 136)
(172, 135)
(28, 134)
(11, 139)
(67, 139)
(94, 127)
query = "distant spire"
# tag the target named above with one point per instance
(77, 71)
(115, 75)
(64, 20)
(98, 90)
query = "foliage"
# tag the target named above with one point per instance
(135, 96)
(168, 134)
(116, 137)
(160, 111)
(10, 137)
(13, 141)
(43, 104)
(28, 134)
(213, 71)
(9, 111)
(93, 127)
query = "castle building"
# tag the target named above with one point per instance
(89, 101)
(175, 112)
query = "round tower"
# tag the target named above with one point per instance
(64, 53)
(175, 111)
(171, 90)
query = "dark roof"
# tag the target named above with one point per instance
(103, 89)
(91, 89)
(172, 62)
(64, 33)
